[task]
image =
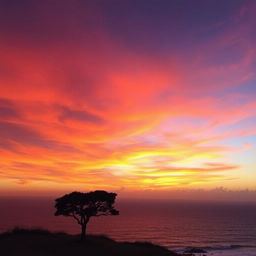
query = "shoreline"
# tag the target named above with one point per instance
(44, 242)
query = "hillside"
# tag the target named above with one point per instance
(23, 242)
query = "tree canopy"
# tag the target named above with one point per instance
(83, 206)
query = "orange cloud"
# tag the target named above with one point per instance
(83, 109)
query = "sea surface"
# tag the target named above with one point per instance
(225, 229)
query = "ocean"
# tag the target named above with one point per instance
(224, 229)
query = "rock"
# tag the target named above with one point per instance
(194, 250)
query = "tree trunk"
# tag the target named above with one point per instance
(83, 232)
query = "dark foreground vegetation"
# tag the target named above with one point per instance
(24, 242)
(83, 206)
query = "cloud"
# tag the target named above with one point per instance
(82, 103)
(14, 135)
(79, 115)
(8, 110)
(8, 113)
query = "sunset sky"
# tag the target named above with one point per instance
(127, 95)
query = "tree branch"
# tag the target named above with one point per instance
(77, 219)
(102, 214)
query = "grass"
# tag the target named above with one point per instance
(40, 242)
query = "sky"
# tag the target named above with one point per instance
(140, 97)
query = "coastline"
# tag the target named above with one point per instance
(42, 242)
(232, 250)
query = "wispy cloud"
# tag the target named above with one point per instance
(82, 103)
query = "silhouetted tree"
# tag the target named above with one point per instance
(83, 206)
